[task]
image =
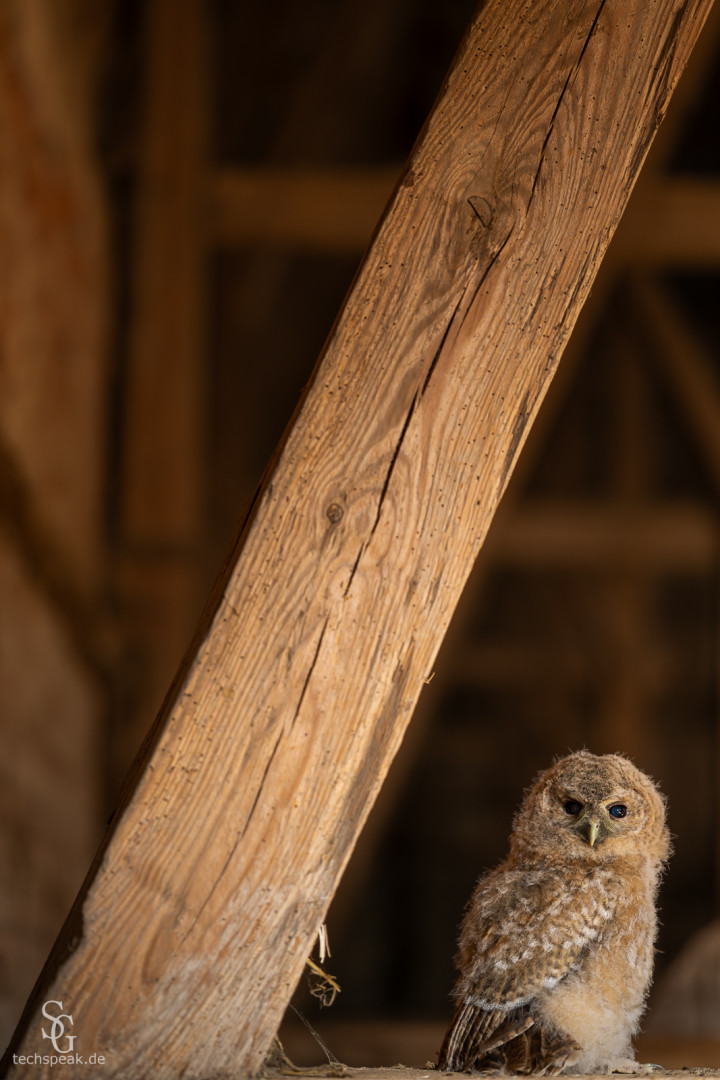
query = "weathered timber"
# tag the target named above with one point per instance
(196, 919)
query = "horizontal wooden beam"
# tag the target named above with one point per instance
(526, 666)
(195, 922)
(324, 210)
(651, 538)
(670, 221)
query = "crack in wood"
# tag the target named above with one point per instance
(590, 34)
(271, 758)
(493, 259)
(468, 306)
(441, 346)
(281, 733)
(419, 393)
(664, 62)
(571, 76)
(482, 208)
(666, 57)
(438, 352)
(310, 671)
(520, 423)
(388, 475)
(393, 460)
(581, 278)
(261, 785)
(220, 876)
(549, 132)
(352, 572)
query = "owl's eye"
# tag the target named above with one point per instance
(573, 807)
(617, 810)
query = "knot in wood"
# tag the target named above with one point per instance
(483, 209)
(334, 512)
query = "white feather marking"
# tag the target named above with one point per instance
(498, 1006)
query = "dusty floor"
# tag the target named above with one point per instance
(373, 1046)
(678, 1057)
(399, 1072)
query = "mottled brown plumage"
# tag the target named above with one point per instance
(556, 947)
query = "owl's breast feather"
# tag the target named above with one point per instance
(599, 1005)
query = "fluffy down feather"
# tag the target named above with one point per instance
(556, 947)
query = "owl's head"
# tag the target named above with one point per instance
(590, 806)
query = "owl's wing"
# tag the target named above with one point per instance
(518, 1045)
(475, 1034)
(523, 933)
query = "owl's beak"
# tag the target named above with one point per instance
(593, 831)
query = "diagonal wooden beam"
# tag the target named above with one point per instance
(686, 97)
(196, 919)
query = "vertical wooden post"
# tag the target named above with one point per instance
(161, 510)
(163, 466)
(197, 918)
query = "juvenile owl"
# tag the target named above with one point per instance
(556, 947)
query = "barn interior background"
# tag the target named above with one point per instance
(186, 189)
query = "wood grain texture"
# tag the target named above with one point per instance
(222, 862)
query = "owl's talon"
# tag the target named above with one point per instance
(639, 1068)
